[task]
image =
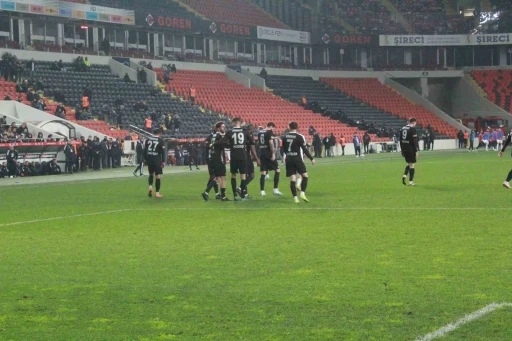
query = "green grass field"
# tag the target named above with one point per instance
(367, 259)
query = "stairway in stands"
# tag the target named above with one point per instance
(215, 91)
(382, 97)
(497, 84)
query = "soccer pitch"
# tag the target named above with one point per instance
(367, 259)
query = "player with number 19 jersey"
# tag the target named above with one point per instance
(238, 140)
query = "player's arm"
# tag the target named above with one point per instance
(250, 140)
(306, 151)
(505, 144)
(415, 142)
(272, 147)
(162, 152)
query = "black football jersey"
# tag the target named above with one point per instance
(409, 138)
(154, 149)
(238, 138)
(294, 147)
(218, 146)
(264, 141)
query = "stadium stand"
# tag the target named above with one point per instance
(497, 84)
(290, 12)
(107, 88)
(235, 12)
(216, 92)
(332, 100)
(382, 97)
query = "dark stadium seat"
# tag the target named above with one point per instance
(382, 97)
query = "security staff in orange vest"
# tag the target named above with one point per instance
(192, 94)
(148, 124)
(342, 142)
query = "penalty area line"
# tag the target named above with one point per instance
(218, 209)
(450, 327)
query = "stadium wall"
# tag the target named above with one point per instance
(120, 69)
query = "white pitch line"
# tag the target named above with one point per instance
(63, 217)
(464, 320)
(261, 209)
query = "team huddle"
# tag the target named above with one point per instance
(243, 149)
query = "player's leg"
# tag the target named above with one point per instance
(412, 172)
(299, 181)
(263, 170)
(233, 186)
(506, 184)
(223, 188)
(277, 174)
(151, 171)
(406, 172)
(293, 187)
(157, 186)
(301, 169)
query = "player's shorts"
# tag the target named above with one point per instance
(250, 167)
(409, 156)
(238, 166)
(295, 167)
(155, 167)
(268, 165)
(210, 168)
(219, 168)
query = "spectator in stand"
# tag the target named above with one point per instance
(31, 66)
(59, 96)
(105, 45)
(177, 124)
(7, 98)
(263, 73)
(155, 91)
(304, 101)
(21, 128)
(88, 92)
(173, 68)
(40, 137)
(192, 93)
(85, 103)
(366, 142)
(148, 124)
(60, 111)
(87, 64)
(149, 66)
(60, 65)
(50, 138)
(12, 157)
(357, 144)
(20, 99)
(40, 105)
(127, 78)
(25, 169)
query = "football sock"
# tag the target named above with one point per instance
(293, 187)
(243, 187)
(509, 177)
(262, 182)
(216, 187)
(212, 184)
(150, 181)
(276, 180)
(411, 174)
(407, 170)
(233, 186)
(157, 185)
(223, 192)
(304, 184)
(248, 180)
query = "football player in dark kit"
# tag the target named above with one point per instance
(294, 148)
(154, 155)
(268, 158)
(218, 159)
(409, 146)
(238, 139)
(506, 184)
(207, 144)
(250, 149)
